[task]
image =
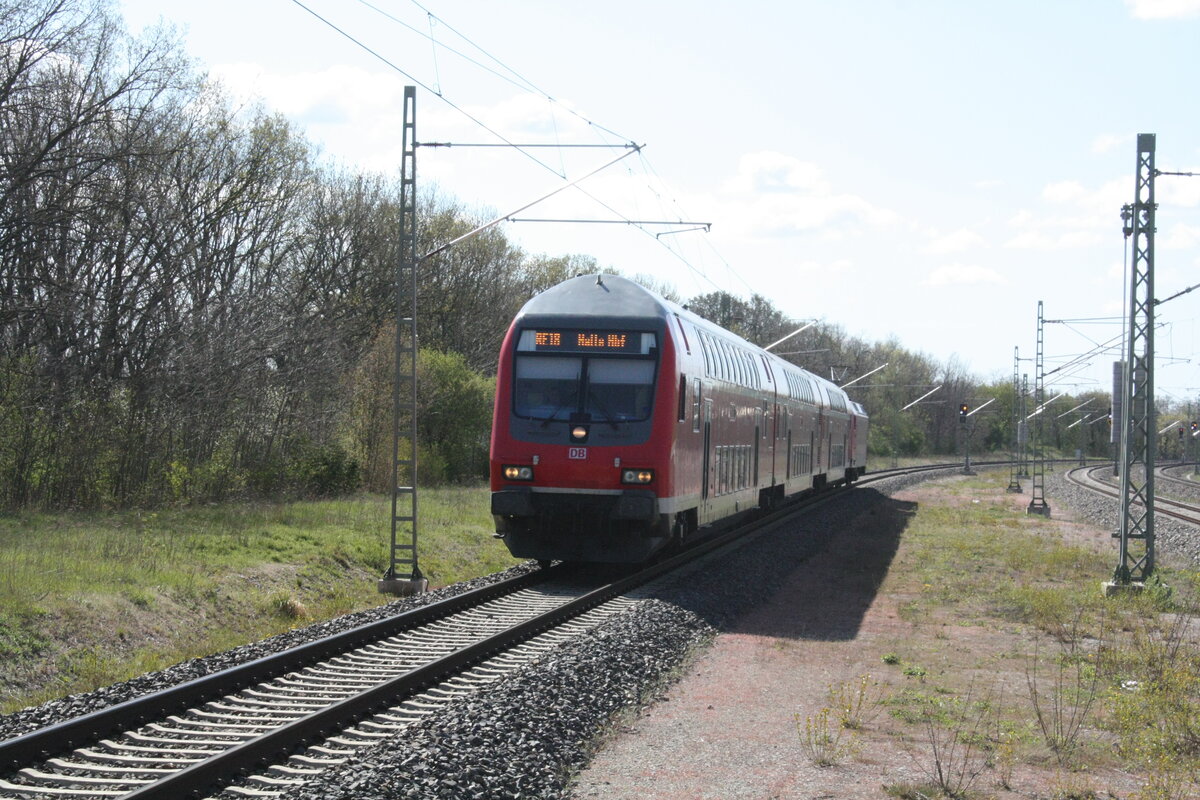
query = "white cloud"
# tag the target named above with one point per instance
(1180, 236)
(774, 194)
(955, 242)
(1163, 9)
(963, 275)
(1075, 216)
(1065, 192)
(1042, 239)
(1107, 142)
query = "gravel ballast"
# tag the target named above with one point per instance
(1173, 540)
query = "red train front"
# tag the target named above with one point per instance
(581, 440)
(624, 422)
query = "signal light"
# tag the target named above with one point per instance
(963, 408)
(1194, 424)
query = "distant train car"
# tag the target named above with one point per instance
(624, 422)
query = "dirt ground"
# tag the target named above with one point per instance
(733, 727)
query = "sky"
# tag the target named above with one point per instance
(917, 170)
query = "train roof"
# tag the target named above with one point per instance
(597, 298)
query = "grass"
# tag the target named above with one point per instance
(1104, 682)
(88, 599)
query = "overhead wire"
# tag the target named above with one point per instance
(646, 165)
(515, 78)
(471, 117)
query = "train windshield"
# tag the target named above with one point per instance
(599, 389)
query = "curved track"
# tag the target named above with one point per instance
(344, 693)
(1088, 478)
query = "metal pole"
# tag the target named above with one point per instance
(1037, 503)
(1014, 482)
(403, 576)
(1136, 534)
(1024, 431)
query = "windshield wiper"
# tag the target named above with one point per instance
(608, 417)
(554, 414)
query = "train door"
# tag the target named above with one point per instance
(705, 476)
(758, 427)
(853, 441)
(818, 465)
(788, 465)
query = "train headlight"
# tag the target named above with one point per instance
(579, 433)
(637, 476)
(518, 473)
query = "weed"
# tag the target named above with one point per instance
(1156, 709)
(1169, 780)
(959, 735)
(890, 658)
(286, 605)
(823, 743)
(1062, 708)
(857, 702)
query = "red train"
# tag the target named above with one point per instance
(624, 422)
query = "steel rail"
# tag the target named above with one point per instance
(1186, 512)
(91, 727)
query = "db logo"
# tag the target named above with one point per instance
(577, 452)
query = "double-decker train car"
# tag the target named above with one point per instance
(624, 422)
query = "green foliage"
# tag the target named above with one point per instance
(454, 415)
(135, 591)
(322, 470)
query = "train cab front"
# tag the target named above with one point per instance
(576, 473)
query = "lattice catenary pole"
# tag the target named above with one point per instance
(1014, 469)
(404, 575)
(1136, 534)
(1037, 503)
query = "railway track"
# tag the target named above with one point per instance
(1088, 478)
(1176, 480)
(262, 728)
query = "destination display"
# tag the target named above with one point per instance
(576, 340)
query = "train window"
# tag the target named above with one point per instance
(619, 388)
(708, 357)
(682, 398)
(547, 387)
(686, 344)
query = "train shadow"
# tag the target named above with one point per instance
(815, 577)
